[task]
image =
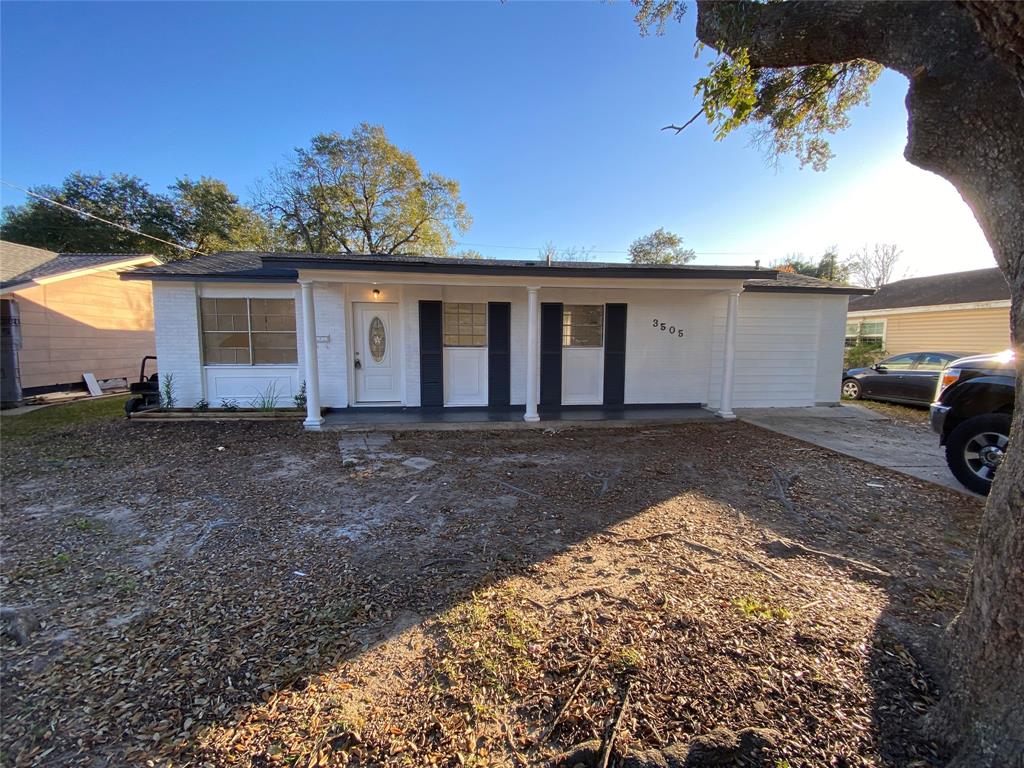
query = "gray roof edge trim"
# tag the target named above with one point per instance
(782, 288)
(495, 268)
(208, 277)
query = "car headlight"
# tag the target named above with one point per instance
(948, 377)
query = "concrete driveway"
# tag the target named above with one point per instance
(864, 434)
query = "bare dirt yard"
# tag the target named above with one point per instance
(245, 594)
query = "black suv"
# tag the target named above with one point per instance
(972, 412)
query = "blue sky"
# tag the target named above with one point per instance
(546, 113)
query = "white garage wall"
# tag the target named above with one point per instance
(786, 345)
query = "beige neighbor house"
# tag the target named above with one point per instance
(67, 314)
(957, 312)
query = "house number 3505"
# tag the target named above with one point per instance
(658, 325)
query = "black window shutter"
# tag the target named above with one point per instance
(614, 354)
(431, 355)
(499, 354)
(550, 355)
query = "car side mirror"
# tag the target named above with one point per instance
(880, 368)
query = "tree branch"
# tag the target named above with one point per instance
(679, 128)
(801, 33)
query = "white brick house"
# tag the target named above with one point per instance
(526, 336)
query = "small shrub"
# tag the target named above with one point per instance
(229, 404)
(628, 658)
(167, 396)
(268, 398)
(201, 406)
(300, 396)
(863, 354)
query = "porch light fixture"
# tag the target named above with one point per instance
(376, 293)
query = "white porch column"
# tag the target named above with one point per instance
(313, 417)
(729, 359)
(532, 353)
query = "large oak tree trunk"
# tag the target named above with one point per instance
(965, 106)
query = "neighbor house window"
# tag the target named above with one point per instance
(465, 325)
(583, 325)
(248, 331)
(870, 332)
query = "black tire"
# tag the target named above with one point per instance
(975, 448)
(854, 389)
(131, 406)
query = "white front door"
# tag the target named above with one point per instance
(377, 363)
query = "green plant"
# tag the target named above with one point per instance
(85, 524)
(628, 658)
(300, 396)
(202, 405)
(863, 354)
(229, 404)
(167, 397)
(755, 609)
(267, 399)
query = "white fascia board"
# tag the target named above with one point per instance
(999, 304)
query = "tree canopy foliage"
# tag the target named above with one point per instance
(201, 215)
(362, 194)
(660, 247)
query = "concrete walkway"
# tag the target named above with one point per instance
(479, 419)
(864, 434)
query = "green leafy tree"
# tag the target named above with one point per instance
(209, 218)
(791, 72)
(660, 247)
(828, 267)
(120, 198)
(202, 215)
(362, 194)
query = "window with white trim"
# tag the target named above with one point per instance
(248, 331)
(869, 332)
(583, 325)
(465, 324)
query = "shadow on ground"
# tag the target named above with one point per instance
(242, 594)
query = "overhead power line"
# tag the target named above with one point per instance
(100, 218)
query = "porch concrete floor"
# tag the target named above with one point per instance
(371, 419)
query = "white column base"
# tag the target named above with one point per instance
(313, 425)
(727, 415)
(531, 417)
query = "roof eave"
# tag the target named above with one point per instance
(497, 268)
(826, 290)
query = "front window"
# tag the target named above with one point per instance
(583, 325)
(248, 331)
(465, 324)
(868, 332)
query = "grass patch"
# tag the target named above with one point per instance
(755, 609)
(59, 417)
(490, 640)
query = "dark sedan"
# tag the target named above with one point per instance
(908, 378)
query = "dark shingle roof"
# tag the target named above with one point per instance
(237, 266)
(789, 282)
(22, 264)
(953, 288)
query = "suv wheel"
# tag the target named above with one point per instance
(851, 389)
(975, 449)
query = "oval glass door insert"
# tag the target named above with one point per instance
(378, 340)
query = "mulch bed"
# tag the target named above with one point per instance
(245, 594)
